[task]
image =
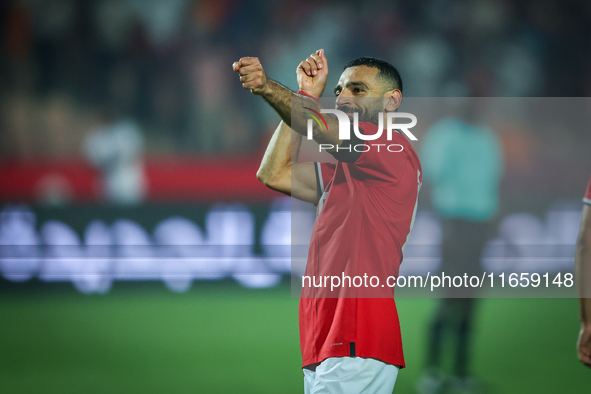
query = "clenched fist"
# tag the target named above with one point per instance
(312, 73)
(251, 74)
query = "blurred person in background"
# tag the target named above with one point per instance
(116, 149)
(463, 162)
(583, 278)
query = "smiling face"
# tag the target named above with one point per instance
(361, 89)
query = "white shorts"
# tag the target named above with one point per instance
(350, 375)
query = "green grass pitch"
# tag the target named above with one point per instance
(221, 338)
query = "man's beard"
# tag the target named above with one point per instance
(369, 114)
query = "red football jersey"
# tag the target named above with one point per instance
(587, 198)
(365, 216)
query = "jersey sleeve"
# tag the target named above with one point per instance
(324, 173)
(587, 198)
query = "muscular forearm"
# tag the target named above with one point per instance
(280, 171)
(280, 99)
(285, 102)
(280, 154)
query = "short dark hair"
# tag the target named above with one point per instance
(386, 71)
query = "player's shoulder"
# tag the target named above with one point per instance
(395, 136)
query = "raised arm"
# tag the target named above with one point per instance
(583, 275)
(279, 169)
(284, 101)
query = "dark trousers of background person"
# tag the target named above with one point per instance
(461, 249)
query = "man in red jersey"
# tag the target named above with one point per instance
(583, 277)
(350, 336)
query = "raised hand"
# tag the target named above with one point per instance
(312, 73)
(251, 74)
(584, 346)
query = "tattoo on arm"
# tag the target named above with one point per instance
(284, 102)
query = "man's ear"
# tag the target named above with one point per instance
(394, 99)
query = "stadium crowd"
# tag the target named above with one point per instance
(70, 66)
